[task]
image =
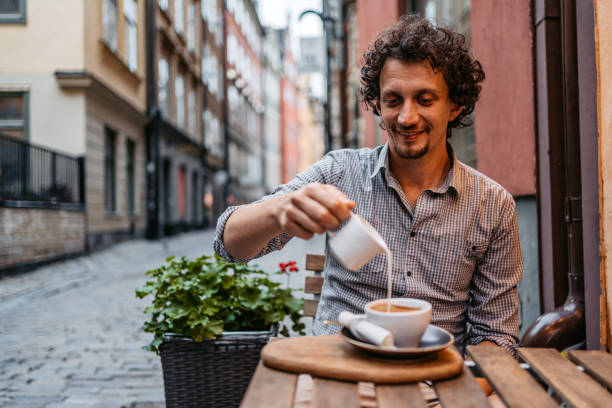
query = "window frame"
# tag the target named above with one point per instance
(130, 19)
(17, 18)
(26, 113)
(179, 20)
(114, 46)
(110, 163)
(190, 29)
(163, 107)
(130, 175)
(192, 109)
(180, 101)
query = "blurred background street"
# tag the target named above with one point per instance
(128, 126)
(71, 331)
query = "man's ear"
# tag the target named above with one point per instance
(377, 107)
(455, 111)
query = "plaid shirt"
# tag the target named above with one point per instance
(458, 247)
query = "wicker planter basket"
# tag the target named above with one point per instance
(213, 373)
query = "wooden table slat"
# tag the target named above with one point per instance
(515, 386)
(396, 395)
(267, 382)
(331, 393)
(461, 391)
(571, 384)
(595, 362)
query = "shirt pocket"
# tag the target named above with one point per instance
(449, 268)
(475, 250)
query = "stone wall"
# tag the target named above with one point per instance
(30, 235)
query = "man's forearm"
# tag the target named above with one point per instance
(251, 227)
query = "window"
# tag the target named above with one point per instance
(204, 63)
(14, 114)
(181, 192)
(191, 106)
(12, 11)
(109, 170)
(179, 91)
(163, 79)
(213, 133)
(130, 11)
(179, 16)
(109, 22)
(130, 177)
(210, 72)
(163, 4)
(191, 28)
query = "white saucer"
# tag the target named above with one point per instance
(434, 339)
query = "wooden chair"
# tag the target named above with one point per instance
(313, 284)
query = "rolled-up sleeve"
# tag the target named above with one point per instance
(493, 310)
(326, 171)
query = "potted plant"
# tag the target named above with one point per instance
(209, 319)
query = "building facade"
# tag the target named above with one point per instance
(175, 106)
(244, 102)
(272, 105)
(213, 117)
(289, 111)
(81, 95)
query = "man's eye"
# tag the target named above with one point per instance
(426, 101)
(390, 101)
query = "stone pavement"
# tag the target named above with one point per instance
(70, 331)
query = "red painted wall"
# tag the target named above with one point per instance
(372, 17)
(502, 40)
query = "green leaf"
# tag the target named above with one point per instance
(202, 297)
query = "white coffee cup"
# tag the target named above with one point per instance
(407, 327)
(355, 243)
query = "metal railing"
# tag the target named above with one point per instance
(34, 174)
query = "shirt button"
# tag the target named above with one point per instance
(412, 233)
(409, 273)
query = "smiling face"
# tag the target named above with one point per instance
(415, 108)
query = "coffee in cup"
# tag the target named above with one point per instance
(393, 308)
(407, 319)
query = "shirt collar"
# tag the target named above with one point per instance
(383, 161)
(453, 179)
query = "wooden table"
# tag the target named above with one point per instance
(545, 379)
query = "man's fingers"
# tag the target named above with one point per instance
(314, 209)
(294, 229)
(317, 213)
(303, 219)
(336, 202)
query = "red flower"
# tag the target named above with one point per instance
(288, 266)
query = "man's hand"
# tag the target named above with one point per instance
(313, 210)
(310, 210)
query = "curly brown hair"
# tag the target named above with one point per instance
(415, 39)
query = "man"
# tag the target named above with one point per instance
(452, 231)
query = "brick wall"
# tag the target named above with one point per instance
(34, 235)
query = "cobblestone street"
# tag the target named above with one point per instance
(71, 330)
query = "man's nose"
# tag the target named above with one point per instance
(408, 115)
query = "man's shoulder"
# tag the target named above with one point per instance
(483, 185)
(363, 153)
(364, 157)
